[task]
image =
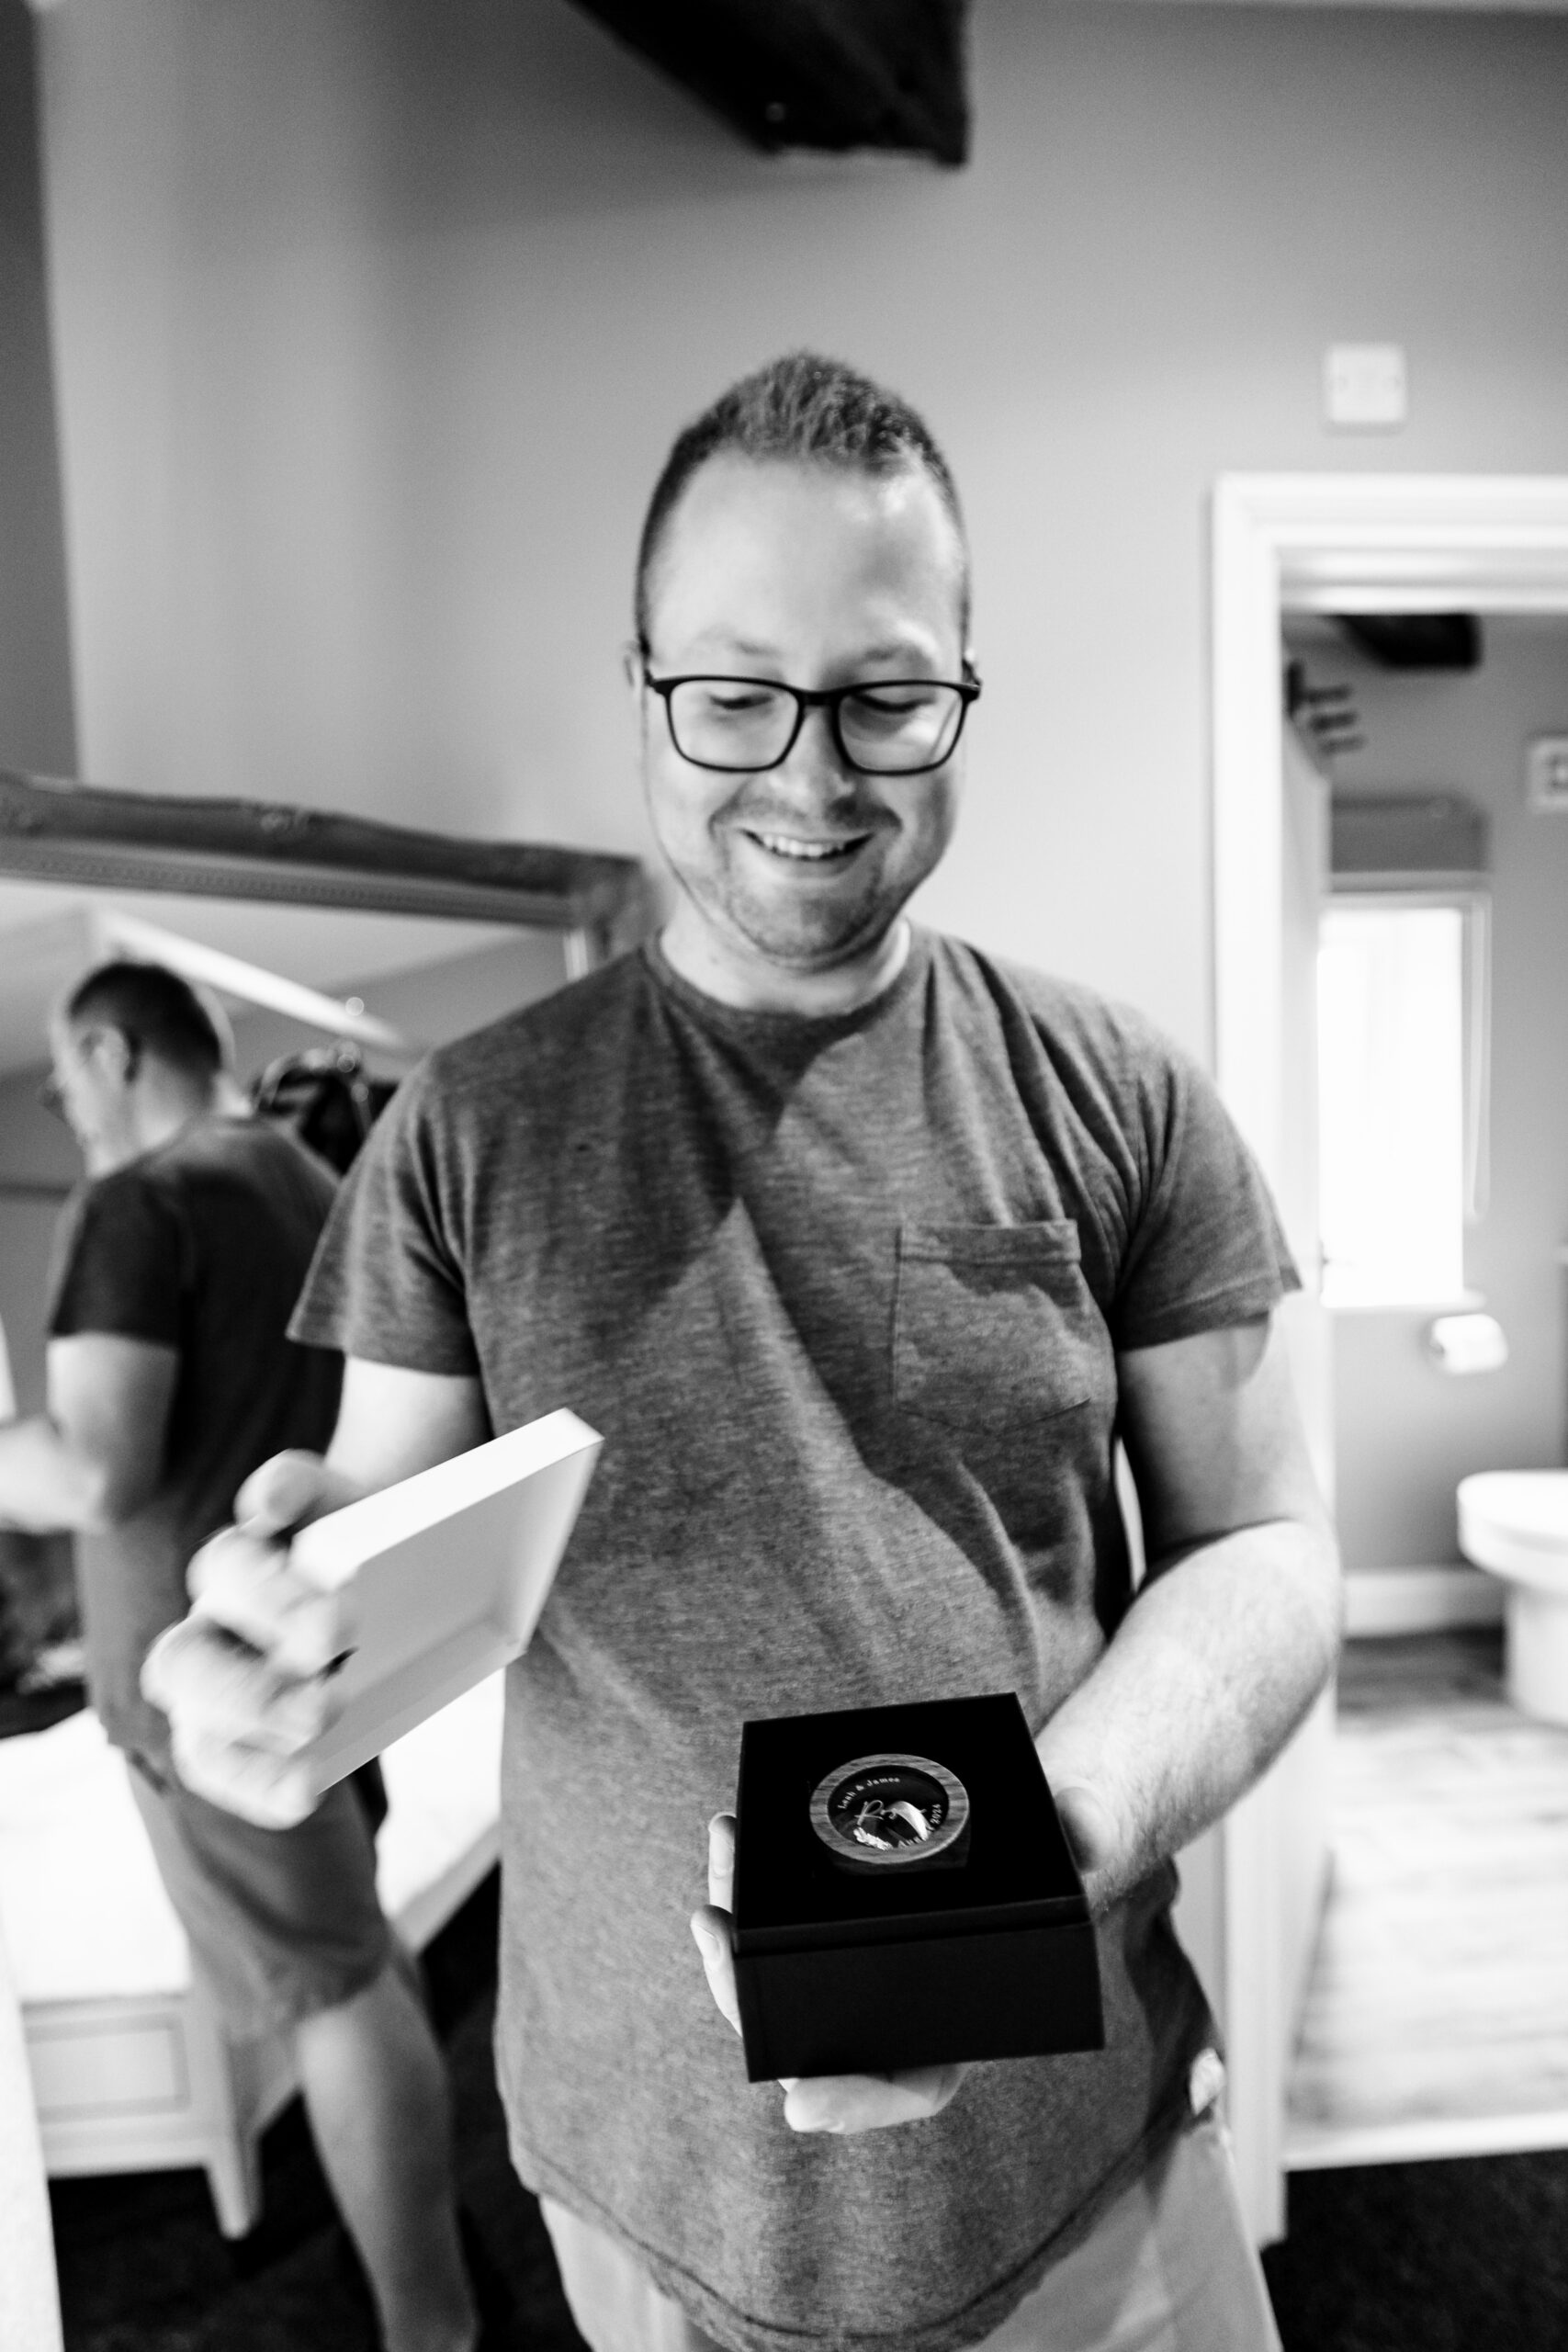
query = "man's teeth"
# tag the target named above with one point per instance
(787, 846)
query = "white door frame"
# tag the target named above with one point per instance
(1327, 543)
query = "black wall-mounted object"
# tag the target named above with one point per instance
(1414, 641)
(987, 1953)
(829, 75)
(1327, 714)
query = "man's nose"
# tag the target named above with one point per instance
(813, 759)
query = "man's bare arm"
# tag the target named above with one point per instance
(1211, 1668)
(390, 1423)
(1234, 1630)
(95, 1458)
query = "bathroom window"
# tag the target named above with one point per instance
(1401, 1093)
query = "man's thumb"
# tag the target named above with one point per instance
(1090, 1828)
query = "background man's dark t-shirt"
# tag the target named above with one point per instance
(201, 1246)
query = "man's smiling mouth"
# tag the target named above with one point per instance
(817, 853)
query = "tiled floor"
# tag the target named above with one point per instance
(1436, 2018)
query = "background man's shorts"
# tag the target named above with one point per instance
(281, 1922)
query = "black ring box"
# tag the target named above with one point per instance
(845, 1972)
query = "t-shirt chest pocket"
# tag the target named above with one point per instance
(994, 1327)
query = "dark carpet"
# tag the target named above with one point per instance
(143, 2268)
(1437, 2257)
(1467, 2256)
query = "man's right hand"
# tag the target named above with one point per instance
(245, 1679)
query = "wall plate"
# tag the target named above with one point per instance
(1546, 774)
(1365, 386)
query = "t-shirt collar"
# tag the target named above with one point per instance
(758, 1022)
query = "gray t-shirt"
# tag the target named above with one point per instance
(200, 1246)
(844, 1297)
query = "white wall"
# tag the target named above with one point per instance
(437, 1000)
(1404, 1432)
(35, 664)
(375, 319)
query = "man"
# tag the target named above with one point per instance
(861, 1251)
(170, 1378)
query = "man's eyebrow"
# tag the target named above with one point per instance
(716, 641)
(752, 650)
(897, 649)
(749, 647)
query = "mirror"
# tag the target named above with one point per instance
(309, 924)
(310, 928)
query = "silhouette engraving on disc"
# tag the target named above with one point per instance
(892, 1813)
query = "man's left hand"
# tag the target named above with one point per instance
(815, 2102)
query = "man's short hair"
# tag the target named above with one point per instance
(157, 1013)
(815, 412)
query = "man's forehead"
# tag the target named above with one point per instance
(742, 519)
(733, 488)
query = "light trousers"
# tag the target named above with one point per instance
(1169, 2268)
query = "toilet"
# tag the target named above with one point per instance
(1514, 1522)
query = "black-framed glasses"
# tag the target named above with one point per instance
(879, 726)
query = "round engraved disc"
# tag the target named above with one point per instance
(881, 1813)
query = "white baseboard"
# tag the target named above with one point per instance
(1317, 2147)
(1419, 1600)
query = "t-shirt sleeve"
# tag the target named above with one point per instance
(1206, 1248)
(120, 1264)
(387, 1282)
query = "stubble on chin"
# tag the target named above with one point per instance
(804, 936)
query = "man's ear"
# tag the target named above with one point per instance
(115, 1053)
(634, 664)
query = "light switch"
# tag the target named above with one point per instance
(1546, 774)
(1364, 385)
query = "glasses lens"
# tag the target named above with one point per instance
(730, 722)
(905, 724)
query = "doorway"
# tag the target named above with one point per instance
(1323, 543)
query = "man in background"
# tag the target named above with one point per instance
(170, 1377)
(862, 1249)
